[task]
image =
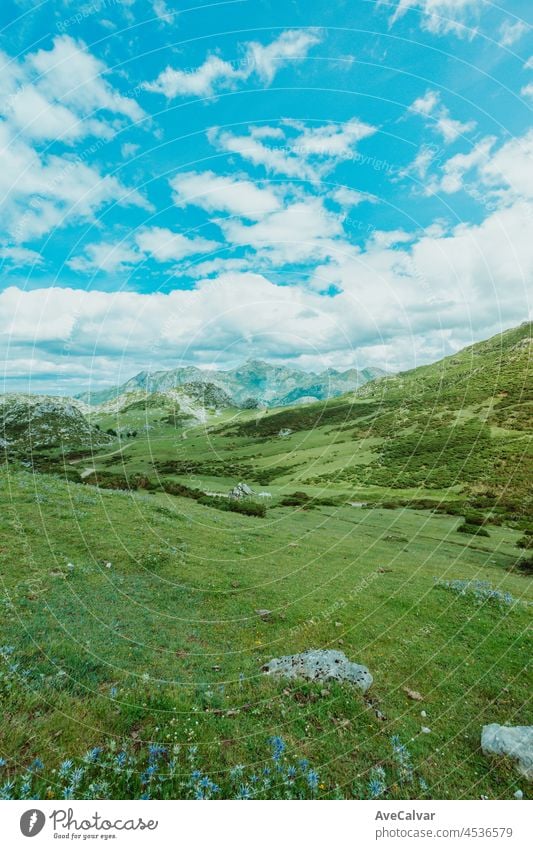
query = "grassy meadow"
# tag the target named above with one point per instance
(132, 647)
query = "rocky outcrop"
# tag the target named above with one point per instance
(35, 421)
(320, 665)
(241, 490)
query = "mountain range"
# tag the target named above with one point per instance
(253, 383)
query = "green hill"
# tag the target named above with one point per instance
(140, 602)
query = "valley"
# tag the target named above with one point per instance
(142, 599)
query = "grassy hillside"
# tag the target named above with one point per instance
(132, 645)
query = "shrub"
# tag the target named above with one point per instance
(476, 530)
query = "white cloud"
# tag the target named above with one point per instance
(73, 76)
(510, 33)
(216, 193)
(350, 197)
(216, 74)
(164, 245)
(266, 60)
(20, 256)
(51, 95)
(527, 90)
(503, 175)
(128, 149)
(40, 192)
(427, 103)
(439, 117)
(162, 11)
(442, 16)
(105, 257)
(296, 150)
(303, 230)
(157, 243)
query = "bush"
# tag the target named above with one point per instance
(476, 530)
(526, 541)
(525, 565)
(474, 518)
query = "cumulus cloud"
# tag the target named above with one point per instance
(297, 149)
(215, 74)
(216, 193)
(504, 174)
(400, 301)
(158, 243)
(53, 96)
(439, 117)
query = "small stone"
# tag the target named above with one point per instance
(423, 713)
(263, 613)
(425, 730)
(518, 794)
(413, 694)
(338, 624)
(108, 565)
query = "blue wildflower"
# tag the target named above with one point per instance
(121, 759)
(2, 762)
(93, 755)
(291, 773)
(278, 747)
(312, 779)
(375, 787)
(244, 792)
(6, 790)
(37, 765)
(76, 776)
(65, 768)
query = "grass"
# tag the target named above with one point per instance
(165, 645)
(396, 530)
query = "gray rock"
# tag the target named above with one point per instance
(242, 490)
(320, 665)
(515, 742)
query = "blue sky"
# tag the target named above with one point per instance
(318, 184)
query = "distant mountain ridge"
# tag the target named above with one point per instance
(254, 380)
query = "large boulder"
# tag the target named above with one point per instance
(320, 665)
(515, 742)
(241, 490)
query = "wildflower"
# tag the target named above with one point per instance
(76, 776)
(303, 764)
(6, 790)
(375, 787)
(65, 768)
(68, 792)
(244, 792)
(312, 779)
(236, 771)
(2, 762)
(121, 759)
(196, 775)
(155, 751)
(25, 787)
(278, 747)
(37, 765)
(113, 692)
(291, 773)
(93, 755)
